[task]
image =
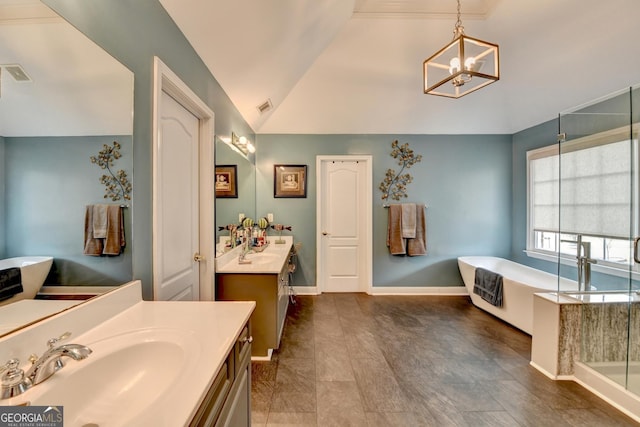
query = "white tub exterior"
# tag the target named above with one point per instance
(519, 284)
(34, 271)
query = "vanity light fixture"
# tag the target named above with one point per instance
(461, 67)
(242, 144)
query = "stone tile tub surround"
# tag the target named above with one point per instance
(572, 333)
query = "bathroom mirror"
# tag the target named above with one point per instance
(228, 209)
(62, 98)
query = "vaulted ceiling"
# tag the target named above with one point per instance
(355, 66)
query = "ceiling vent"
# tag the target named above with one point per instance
(17, 72)
(265, 106)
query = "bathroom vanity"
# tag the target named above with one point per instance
(161, 363)
(264, 280)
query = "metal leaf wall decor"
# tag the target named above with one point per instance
(117, 185)
(394, 185)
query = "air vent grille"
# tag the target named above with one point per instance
(265, 106)
(17, 72)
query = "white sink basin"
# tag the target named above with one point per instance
(262, 258)
(124, 375)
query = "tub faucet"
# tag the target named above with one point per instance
(584, 263)
(51, 360)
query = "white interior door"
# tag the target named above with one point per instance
(344, 224)
(182, 192)
(177, 215)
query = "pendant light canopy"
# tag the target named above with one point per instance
(461, 67)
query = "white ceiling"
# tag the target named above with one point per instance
(355, 66)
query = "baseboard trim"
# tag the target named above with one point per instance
(419, 290)
(305, 290)
(396, 290)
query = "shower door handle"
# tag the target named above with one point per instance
(636, 241)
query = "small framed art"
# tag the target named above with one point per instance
(226, 181)
(289, 181)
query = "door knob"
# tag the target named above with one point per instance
(197, 257)
(324, 233)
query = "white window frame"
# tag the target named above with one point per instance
(614, 135)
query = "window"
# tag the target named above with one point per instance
(584, 187)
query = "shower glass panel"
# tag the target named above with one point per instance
(598, 221)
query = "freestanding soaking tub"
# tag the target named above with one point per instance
(520, 282)
(34, 271)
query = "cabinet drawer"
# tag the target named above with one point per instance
(217, 394)
(243, 345)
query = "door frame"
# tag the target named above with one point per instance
(367, 159)
(165, 80)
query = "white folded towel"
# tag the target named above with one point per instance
(100, 221)
(408, 220)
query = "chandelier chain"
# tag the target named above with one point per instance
(458, 29)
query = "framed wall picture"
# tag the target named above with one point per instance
(226, 181)
(289, 181)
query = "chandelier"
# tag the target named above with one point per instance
(461, 67)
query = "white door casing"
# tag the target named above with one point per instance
(183, 179)
(344, 223)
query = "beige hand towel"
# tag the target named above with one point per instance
(100, 221)
(92, 246)
(408, 220)
(395, 242)
(418, 245)
(114, 241)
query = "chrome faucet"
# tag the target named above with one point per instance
(51, 361)
(15, 381)
(246, 248)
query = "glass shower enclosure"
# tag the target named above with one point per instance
(598, 217)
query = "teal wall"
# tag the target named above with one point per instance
(465, 180)
(134, 31)
(48, 183)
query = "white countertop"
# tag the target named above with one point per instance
(206, 329)
(214, 325)
(277, 256)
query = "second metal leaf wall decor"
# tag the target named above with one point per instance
(394, 185)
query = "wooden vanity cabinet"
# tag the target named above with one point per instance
(271, 294)
(228, 400)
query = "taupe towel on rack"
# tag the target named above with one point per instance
(418, 245)
(113, 240)
(408, 220)
(100, 221)
(397, 243)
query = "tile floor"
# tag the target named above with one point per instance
(358, 360)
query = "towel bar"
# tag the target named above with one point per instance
(386, 206)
